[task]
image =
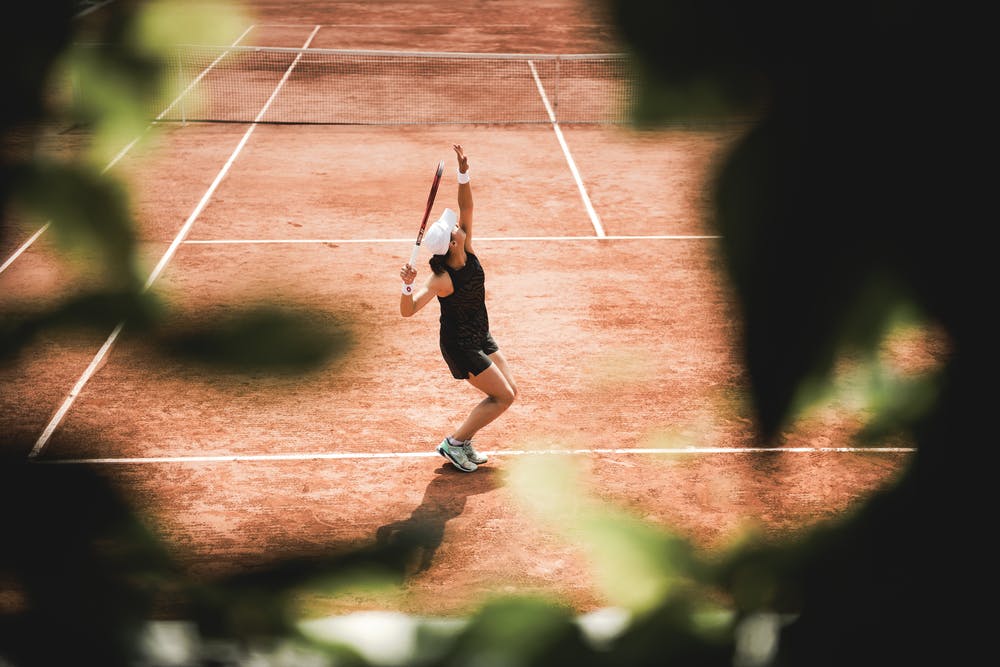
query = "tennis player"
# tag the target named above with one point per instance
(458, 282)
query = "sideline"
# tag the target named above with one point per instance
(167, 256)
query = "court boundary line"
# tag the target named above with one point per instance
(24, 246)
(233, 458)
(167, 256)
(501, 239)
(428, 25)
(595, 220)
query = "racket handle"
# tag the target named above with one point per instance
(413, 255)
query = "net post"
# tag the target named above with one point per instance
(180, 87)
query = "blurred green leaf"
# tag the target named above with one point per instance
(267, 338)
(519, 631)
(90, 216)
(89, 570)
(161, 25)
(29, 46)
(111, 91)
(637, 565)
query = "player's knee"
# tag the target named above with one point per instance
(505, 398)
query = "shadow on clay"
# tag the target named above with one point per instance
(419, 536)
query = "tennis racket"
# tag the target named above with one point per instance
(427, 212)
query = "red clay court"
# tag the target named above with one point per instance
(605, 291)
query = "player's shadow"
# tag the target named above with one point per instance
(417, 538)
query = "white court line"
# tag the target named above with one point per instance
(128, 147)
(594, 219)
(654, 237)
(94, 7)
(24, 246)
(413, 26)
(102, 353)
(509, 452)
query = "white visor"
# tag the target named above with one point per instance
(438, 235)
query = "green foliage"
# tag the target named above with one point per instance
(86, 569)
(89, 215)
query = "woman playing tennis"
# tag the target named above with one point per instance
(458, 282)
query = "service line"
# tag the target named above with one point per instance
(668, 451)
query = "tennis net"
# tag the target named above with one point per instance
(325, 86)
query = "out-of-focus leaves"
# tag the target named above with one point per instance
(675, 633)
(520, 631)
(826, 207)
(89, 216)
(699, 61)
(848, 587)
(120, 79)
(110, 89)
(821, 204)
(29, 45)
(263, 602)
(896, 406)
(636, 565)
(87, 570)
(262, 338)
(808, 296)
(161, 25)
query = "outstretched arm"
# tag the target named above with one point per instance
(464, 197)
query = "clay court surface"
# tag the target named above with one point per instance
(621, 340)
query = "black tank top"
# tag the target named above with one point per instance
(464, 321)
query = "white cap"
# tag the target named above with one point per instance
(438, 235)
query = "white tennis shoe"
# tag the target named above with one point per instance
(472, 454)
(456, 455)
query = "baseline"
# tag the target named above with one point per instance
(653, 237)
(501, 453)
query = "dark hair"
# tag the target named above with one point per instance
(437, 264)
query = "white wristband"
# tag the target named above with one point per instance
(407, 289)
(463, 178)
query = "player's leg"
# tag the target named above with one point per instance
(496, 356)
(483, 372)
(501, 363)
(499, 396)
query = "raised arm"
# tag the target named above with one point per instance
(464, 197)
